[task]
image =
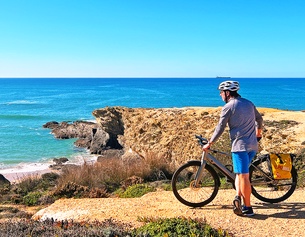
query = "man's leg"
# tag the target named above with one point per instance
(245, 188)
(237, 186)
(241, 161)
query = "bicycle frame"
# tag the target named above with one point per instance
(208, 158)
(263, 173)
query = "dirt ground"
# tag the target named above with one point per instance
(284, 219)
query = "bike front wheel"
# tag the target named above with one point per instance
(190, 194)
(265, 187)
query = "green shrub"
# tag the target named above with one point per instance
(167, 186)
(32, 198)
(181, 227)
(48, 180)
(71, 189)
(27, 184)
(137, 190)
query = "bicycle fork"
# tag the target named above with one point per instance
(199, 173)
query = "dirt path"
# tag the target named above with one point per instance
(283, 219)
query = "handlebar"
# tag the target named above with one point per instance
(201, 140)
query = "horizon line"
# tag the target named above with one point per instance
(217, 77)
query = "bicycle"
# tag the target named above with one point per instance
(196, 183)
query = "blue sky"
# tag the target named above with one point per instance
(152, 38)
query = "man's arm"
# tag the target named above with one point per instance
(259, 123)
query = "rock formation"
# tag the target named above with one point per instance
(4, 181)
(170, 132)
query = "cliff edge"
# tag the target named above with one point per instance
(170, 131)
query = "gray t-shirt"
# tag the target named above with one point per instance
(242, 118)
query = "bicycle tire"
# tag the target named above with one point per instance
(189, 195)
(265, 187)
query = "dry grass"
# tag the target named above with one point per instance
(110, 173)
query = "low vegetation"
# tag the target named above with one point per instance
(153, 228)
(128, 178)
(177, 227)
(113, 177)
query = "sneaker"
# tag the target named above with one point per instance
(237, 206)
(247, 211)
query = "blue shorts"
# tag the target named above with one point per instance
(241, 161)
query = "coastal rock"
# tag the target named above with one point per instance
(51, 125)
(89, 134)
(111, 121)
(170, 132)
(4, 181)
(66, 130)
(110, 154)
(83, 143)
(60, 161)
(99, 141)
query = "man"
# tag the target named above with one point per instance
(245, 125)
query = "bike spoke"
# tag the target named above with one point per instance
(191, 193)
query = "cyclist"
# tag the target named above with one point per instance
(245, 125)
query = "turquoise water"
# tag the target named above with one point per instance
(27, 104)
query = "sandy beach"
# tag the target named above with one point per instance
(14, 175)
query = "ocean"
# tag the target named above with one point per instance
(26, 104)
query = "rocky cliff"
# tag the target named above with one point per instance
(170, 132)
(166, 132)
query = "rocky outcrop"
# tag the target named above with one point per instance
(66, 130)
(89, 134)
(166, 132)
(4, 181)
(170, 132)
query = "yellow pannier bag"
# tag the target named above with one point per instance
(281, 165)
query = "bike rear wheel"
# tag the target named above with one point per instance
(265, 187)
(183, 184)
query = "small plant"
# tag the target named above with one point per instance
(71, 189)
(32, 198)
(27, 184)
(137, 190)
(224, 184)
(178, 227)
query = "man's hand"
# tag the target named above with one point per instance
(207, 146)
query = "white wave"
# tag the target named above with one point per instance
(78, 159)
(25, 168)
(21, 102)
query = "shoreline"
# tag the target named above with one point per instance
(20, 171)
(15, 177)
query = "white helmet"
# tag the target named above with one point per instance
(229, 86)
